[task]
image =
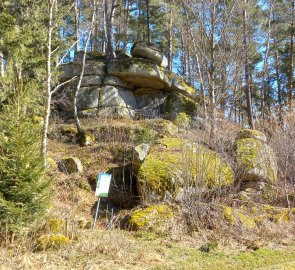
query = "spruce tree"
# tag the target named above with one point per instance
(23, 187)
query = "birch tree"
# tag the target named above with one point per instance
(52, 66)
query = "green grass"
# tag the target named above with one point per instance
(190, 258)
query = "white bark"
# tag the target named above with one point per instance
(2, 65)
(50, 89)
(78, 125)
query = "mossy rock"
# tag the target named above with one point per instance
(171, 162)
(150, 218)
(84, 224)
(276, 214)
(69, 130)
(49, 241)
(177, 103)
(164, 128)
(247, 221)
(229, 215)
(85, 139)
(256, 160)
(56, 225)
(71, 165)
(251, 133)
(237, 217)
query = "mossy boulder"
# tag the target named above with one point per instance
(251, 133)
(237, 217)
(150, 218)
(50, 241)
(85, 138)
(149, 51)
(71, 165)
(179, 85)
(173, 163)
(163, 128)
(256, 160)
(177, 103)
(51, 163)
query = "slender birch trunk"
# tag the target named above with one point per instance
(77, 121)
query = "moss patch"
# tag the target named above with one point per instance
(251, 133)
(172, 162)
(256, 160)
(56, 225)
(150, 217)
(52, 241)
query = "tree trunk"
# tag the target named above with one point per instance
(76, 12)
(77, 121)
(109, 16)
(265, 65)
(149, 38)
(51, 4)
(170, 38)
(291, 61)
(2, 66)
(247, 68)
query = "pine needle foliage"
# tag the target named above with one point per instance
(23, 186)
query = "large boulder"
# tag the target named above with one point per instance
(117, 102)
(117, 82)
(142, 73)
(256, 160)
(179, 85)
(88, 98)
(172, 164)
(91, 80)
(149, 51)
(92, 67)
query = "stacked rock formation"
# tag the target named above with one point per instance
(126, 85)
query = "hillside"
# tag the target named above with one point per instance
(151, 134)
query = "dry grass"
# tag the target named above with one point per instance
(176, 245)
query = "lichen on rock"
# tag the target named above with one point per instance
(173, 162)
(256, 160)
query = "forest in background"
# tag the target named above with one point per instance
(239, 55)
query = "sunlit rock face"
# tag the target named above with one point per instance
(125, 86)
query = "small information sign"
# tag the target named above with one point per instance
(103, 185)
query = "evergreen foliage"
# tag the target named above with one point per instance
(23, 188)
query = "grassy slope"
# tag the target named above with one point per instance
(118, 249)
(124, 250)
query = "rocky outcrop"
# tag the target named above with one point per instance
(126, 86)
(172, 164)
(256, 160)
(142, 73)
(149, 51)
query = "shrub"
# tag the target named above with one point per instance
(182, 120)
(145, 135)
